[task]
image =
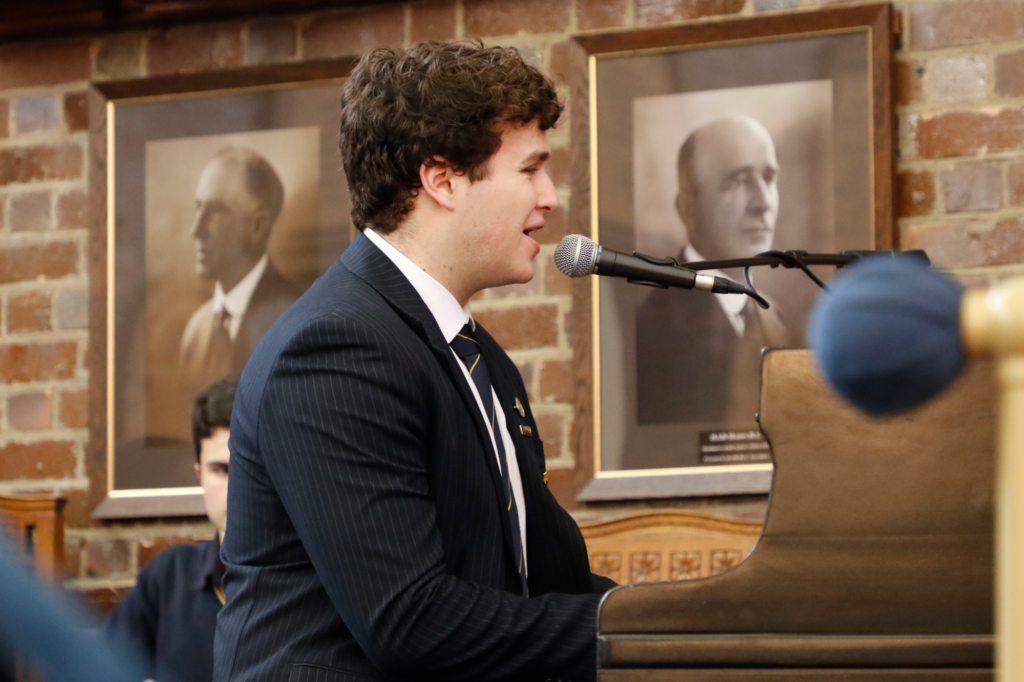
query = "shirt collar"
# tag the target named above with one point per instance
(237, 300)
(732, 304)
(450, 316)
(211, 570)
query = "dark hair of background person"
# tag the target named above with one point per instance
(211, 409)
(261, 180)
(432, 101)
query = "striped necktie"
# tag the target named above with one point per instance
(467, 348)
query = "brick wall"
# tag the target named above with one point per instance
(961, 196)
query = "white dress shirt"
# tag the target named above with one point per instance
(451, 318)
(732, 305)
(236, 301)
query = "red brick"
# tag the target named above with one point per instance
(432, 20)
(102, 600)
(40, 162)
(549, 428)
(591, 14)
(74, 409)
(73, 210)
(972, 187)
(107, 557)
(203, 48)
(531, 327)
(38, 261)
(966, 133)
(353, 32)
(507, 17)
(558, 382)
(937, 25)
(48, 459)
(271, 41)
(20, 362)
(76, 111)
(78, 510)
(1010, 74)
(969, 244)
(560, 62)
(30, 211)
(1015, 183)
(29, 411)
(39, 63)
(150, 548)
(656, 11)
(28, 312)
(910, 82)
(555, 227)
(916, 194)
(73, 558)
(5, 115)
(555, 283)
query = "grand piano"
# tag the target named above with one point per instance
(875, 562)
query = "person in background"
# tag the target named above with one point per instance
(170, 616)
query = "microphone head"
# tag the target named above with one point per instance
(576, 256)
(887, 335)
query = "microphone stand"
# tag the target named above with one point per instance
(787, 259)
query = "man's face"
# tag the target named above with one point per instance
(224, 231)
(736, 202)
(500, 212)
(212, 471)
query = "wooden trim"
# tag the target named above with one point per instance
(670, 518)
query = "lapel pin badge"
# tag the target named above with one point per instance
(525, 430)
(519, 408)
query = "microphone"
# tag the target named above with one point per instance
(577, 256)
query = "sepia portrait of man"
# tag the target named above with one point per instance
(728, 198)
(723, 175)
(238, 198)
(232, 239)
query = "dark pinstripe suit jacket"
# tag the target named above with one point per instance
(366, 534)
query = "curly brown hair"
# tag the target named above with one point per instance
(402, 108)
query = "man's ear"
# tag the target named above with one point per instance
(199, 472)
(438, 180)
(260, 227)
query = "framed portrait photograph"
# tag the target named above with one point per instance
(224, 204)
(710, 143)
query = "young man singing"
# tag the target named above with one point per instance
(388, 513)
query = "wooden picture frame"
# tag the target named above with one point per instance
(636, 95)
(152, 142)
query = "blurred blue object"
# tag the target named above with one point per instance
(887, 336)
(49, 633)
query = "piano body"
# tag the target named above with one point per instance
(875, 562)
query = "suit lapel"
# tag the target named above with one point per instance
(368, 262)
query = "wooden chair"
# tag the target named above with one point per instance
(667, 545)
(35, 523)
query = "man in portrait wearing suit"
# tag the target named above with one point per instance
(698, 354)
(389, 516)
(238, 198)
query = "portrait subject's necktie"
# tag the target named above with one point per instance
(467, 348)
